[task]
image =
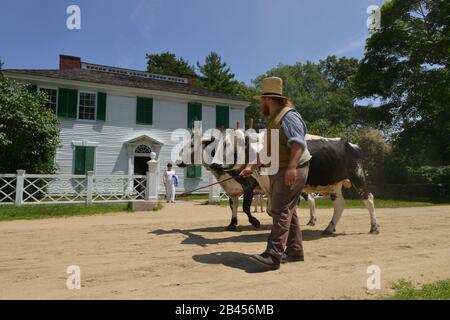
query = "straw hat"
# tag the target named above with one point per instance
(271, 87)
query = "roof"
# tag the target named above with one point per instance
(122, 80)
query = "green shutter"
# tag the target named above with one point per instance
(101, 106)
(80, 155)
(144, 110)
(89, 159)
(222, 117)
(32, 88)
(198, 171)
(194, 113)
(67, 103)
(84, 159)
(194, 171)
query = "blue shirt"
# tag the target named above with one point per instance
(294, 127)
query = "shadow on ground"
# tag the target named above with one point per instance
(231, 259)
(193, 236)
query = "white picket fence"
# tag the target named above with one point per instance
(23, 189)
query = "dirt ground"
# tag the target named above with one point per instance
(183, 252)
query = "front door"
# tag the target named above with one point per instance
(140, 165)
(140, 169)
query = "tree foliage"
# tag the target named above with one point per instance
(216, 75)
(322, 92)
(406, 65)
(29, 134)
(168, 64)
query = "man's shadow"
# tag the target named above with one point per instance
(242, 261)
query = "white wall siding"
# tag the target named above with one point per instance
(120, 126)
(235, 116)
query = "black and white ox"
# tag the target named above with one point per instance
(335, 163)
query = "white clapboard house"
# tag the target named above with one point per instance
(112, 118)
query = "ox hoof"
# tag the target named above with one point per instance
(255, 222)
(311, 223)
(231, 227)
(375, 229)
(327, 232)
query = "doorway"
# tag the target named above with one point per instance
(140, 165)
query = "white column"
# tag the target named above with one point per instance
(152, 190)
(20, 178)
(214, 191)
(89, 187)
(130, 186)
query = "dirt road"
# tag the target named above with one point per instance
(182, 252)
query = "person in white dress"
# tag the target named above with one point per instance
(169, 183)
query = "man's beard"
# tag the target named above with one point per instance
(265, 110)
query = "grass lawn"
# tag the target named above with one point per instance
(405, 290)
(355, 203)
(379, 203)
(26, 212)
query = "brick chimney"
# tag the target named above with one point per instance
(69, 62)
(191, 78)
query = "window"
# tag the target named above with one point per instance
(84, 159)
(194, 171)
(52, 98)
(144, 110)
(142, 148)
(86, 110)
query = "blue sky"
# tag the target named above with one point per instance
(252, 36)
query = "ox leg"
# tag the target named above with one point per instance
(246, 206)
(339, 205)
(312, 208)
(234, 203)
(359, 183)
(369, 203)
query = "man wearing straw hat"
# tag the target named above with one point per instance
(285, 240)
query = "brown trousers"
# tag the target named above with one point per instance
(286, 231)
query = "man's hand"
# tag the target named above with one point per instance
(247, 172)
(289, 176)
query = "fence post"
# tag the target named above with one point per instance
(152, 187)
(214, 190)
(89, 187)
(20, 178)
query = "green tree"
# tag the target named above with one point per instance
(29, 134)
(406, 66)
(216, 75)
(322, 92)
(168, 64)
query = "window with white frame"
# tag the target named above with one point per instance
(52, 98)
(87, 106)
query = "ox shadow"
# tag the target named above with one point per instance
(193, 238)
